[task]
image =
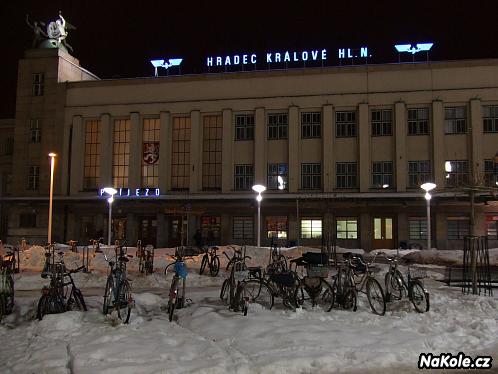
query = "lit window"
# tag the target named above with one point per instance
(91, 167)
(150, 153)
(277, 176)
(180, 162)
(346, 228)
(459, 174)
(311, 228)
(211, 153)
(121, 153)
(276, 227)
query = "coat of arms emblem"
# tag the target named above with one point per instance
(151, 152)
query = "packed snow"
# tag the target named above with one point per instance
(206, 337)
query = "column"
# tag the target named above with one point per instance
(195, 151)
(165, 145)
(106, 145)
(476, 132)
(328, 125)
(400, 161)
(162, 230)
(260, 147)
(364, 160)
(438, 158)
(294, 135)
(77, 156)
(135, 162)
(227, 156)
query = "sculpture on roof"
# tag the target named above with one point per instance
(55, 34)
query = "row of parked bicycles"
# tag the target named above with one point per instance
(307, 281)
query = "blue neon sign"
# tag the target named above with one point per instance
(166, 65)
(135, 192)
(413, 48)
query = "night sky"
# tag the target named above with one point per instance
(117, 39)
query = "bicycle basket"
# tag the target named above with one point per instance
(181, 269)
(284, 279)
(418, 273)
(318, 271)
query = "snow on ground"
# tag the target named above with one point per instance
(206, 337)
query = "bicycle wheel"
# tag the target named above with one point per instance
(173, 293)
(215, 266)
(394, 285)
(108, 296)
(418, 296)
(257, 292)
(224, 290)
(49, 304)
(349, 299)
(326, 297)
(78, 301)
(203, 264)
(376, 297)
(299, 296)
(123, 303)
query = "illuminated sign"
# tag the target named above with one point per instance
(135, 192)
(413, 48)
(165, 65)
(352, 53)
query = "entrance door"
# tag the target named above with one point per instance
(147, 231)
(177, 231)
(383, 229)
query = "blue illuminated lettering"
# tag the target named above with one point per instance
(295, 56)
(218, 61)
(304, 56)
(363, 52)
(137, 192)
(277, 57)
(286, 57)
(268, 57)
(324, 54)
(253, 58)
(209, 61)
(244, 59)
(342, 53)
(314, 55)
(236, 60)
(157, 192)
(146, 192)
(101, 192)
(227, 60)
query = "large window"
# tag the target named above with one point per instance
(458, 227)
(459, 174)
(311, 176)
(150, 152)
(419, 172)
(121, 153)
(276, 227)
(417, 228)
(244, 177)
(33, 177)
(311, 123)
(180, 163)
(243, 228)
(277, 176)
(492, 227)
(311, 228)
(490, 118)
(347, 228)
(382, 124)
(34, 130)
(418, 121)
(211, 229)
(345, 124)
(91, 167)
(278, 124)
(27, 220)
(244, 127)
(211, 153)
(38, 84)
(490, 172)
(455, 120)
(345, 174)
(382, 174)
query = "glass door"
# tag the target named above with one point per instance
(383, 233)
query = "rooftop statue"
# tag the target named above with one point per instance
(54, 37)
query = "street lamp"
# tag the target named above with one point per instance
(259, 188)
(52, 167)
(428, 187)
(111, 191)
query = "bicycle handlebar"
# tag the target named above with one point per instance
(72, 271)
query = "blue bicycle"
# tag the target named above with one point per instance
(177, 301)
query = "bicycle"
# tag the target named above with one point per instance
(347, 285)
(61, 295)
(7, 267)
(181, 272)
(146, 258)
(237, 256)
(276, 257)
(413, 287)
(212, 260)
(117, 294)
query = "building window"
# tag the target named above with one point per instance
(455, 120)
(311, 176)
(346, 228)
(419, 172)
(27, 220)
(9, 146)
(211, 230)
(345, 124)
(382, 122)
(311, 228)
(276, 227)
(277, 176)
(38, 84)
(121, 153)
(490, 173)
(382, 174)
(459, 174)
(33, 177)
(243, 228)
(211, 153)
(345, 174)
(244, 177)
(278, 124)
(34, 131)
(311, 123)
(91, 165)
(458, 227)
(490, 118)
(244, 127)
(150, 152)
(180, 162)
(417, 228)
(492, 227)
(418, 121)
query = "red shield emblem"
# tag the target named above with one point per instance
(151, 152)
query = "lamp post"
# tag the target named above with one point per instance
(52, 167)
(428, 187)
(111, 191)
(259, 189)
